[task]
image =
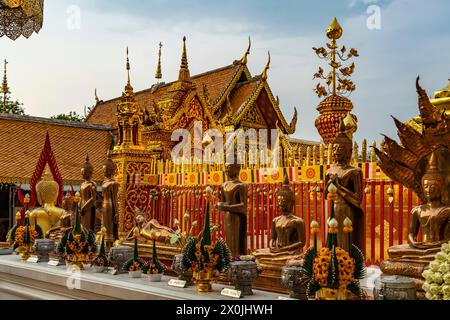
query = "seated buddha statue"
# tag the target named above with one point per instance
(48, 215)
(433, 220)
(287, 236)
(66, 220)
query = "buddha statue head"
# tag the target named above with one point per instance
(47, 189)
(109, 168)
(342, 146)
(233, 169)
(286, 197)
(88, 169)
(433, 181)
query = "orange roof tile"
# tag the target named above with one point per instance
(70, 143)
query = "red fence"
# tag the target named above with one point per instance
(386, 213)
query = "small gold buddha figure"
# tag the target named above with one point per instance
(48, 215)
(88, 192)
(348, 181)
(233, 201)
(287, 233)
(110, 206)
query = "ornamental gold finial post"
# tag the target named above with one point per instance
(244, 58)
(340, 77)
(128, 68)
(5, 88)
(158, 73)
(184, 74)
(266, 68)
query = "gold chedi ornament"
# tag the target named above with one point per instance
(335, 107)
(20, 17)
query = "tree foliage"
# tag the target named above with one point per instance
(13, 107)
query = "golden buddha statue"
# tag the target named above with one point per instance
(66, 220)
(233, 200)
(88, 192)
(110, 207)
(48, 215)
(348, 181)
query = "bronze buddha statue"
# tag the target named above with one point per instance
(88, 192)
(432, 218)
(348, 181)
(287, 232)
(48, 215)
(421, 163)
(110, 207)
(233, 201)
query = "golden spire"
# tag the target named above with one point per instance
(339, 79)
(184, 74)
(334, 31)
(5, 88)
(264, 74)
(158, 74)
(128, 87)
(244, 58)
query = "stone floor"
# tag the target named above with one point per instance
(23, 280)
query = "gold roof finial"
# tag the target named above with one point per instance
(5, 88)
(264, 74)
(244, 58)
(334, 31)
(443, 93)
(184, 74)
(97, 100)
(128, 87)
(158, 73)
(339, 79)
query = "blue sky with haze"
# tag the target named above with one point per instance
(57, 70)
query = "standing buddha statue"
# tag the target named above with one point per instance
(348, 182)
(48, 215)
(110, 207)
(233, 201)
(88, 192)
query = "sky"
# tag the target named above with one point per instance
(82, 46)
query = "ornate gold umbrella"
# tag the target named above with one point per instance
(20, 17)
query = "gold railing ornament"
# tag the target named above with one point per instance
(20, 17)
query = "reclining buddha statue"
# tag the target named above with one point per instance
(48, 215)
(421, 163)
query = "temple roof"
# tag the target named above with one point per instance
(216, 82)
(70, 141)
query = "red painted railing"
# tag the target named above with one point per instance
(386, 222)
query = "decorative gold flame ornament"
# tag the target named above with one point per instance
(20, 17)
(335, 107)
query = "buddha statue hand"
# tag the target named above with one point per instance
(221, 206)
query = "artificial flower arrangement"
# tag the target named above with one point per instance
(24, 236)
(154, 268)
(135, 265)
(437, 276)
(77, 243)
(333, 272)
(101, 262)
(204, 257)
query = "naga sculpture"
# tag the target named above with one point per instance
(421, 163)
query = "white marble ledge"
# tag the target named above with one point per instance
(116, 286)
